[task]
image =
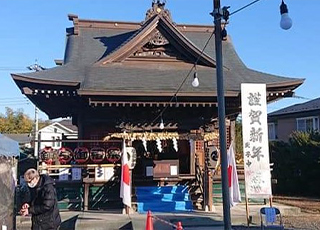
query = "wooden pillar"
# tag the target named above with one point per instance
(86, 197)
(80, 124)
(210, 190)
(192, 159)
(233, 133)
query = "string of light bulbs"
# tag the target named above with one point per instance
(182, 83)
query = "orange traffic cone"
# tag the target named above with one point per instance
(179, 226)
(149, 224)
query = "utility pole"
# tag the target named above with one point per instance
(36, 129)
(217, 13)
(36, 67)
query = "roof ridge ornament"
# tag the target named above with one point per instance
(158, 8)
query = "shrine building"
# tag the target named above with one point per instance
(133, 80)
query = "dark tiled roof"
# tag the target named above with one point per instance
(66, 73)
(94, 44)
(121, 77)
(68, 124)
(298, 108)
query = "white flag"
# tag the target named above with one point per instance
(234, 190)
(125, 188)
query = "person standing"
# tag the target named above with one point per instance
(41, 201)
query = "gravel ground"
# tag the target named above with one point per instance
(310, 212)
(305, 221)
(308, 219)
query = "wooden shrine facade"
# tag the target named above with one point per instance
(125, 76)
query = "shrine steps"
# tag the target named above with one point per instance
(163, 199)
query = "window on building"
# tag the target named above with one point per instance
(55, 130)
(272, 131)
(53, 142)
(307, 124)
(58, 143)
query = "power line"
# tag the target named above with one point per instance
(35, 67)
(202, 51)
(12, 98)
(184, 80)
(244, 7)
(12, 68)
(18, 103)
(301, 97)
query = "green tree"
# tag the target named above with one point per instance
(44, 123)
(15, 122)
(297, 164)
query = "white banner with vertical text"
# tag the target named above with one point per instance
(255, 140)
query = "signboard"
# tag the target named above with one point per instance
(76, 173)
(103, 173)
(255, 140)
(63, 174)
(99, 174)
(166, 168)
(173, 170)
(149, 170)
(108, 173)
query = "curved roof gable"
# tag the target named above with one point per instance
(158, 26)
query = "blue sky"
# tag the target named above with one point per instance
(35, 29)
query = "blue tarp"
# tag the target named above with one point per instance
(8, 147)
(8, 166)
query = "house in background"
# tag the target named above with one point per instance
(24, 139)
(57, 131)
(298, 117)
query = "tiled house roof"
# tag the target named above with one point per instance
(309, 106)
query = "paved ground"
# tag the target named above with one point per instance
(165, 221)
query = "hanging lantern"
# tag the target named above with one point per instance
(97, 154)
(47, 154)
(113, 154)
(81, 155)
(131, 156)
(65, 155)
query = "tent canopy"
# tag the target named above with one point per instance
(8, 147)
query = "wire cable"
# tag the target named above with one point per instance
(12, 68)
(301, 97)
(13, 101)
(244, 7)
(20, 103)
(13, 98)
(184, 80)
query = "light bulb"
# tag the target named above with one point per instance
(161, 125)
(285, 22)
(195, 82)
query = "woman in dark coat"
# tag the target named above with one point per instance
(42, 204)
